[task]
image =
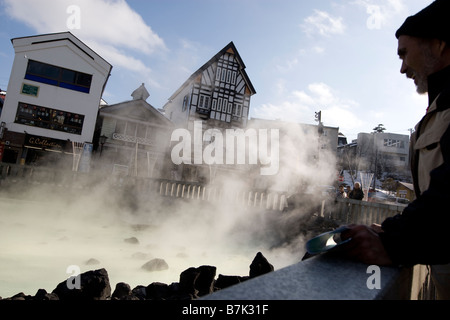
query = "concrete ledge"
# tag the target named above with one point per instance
(323, 277)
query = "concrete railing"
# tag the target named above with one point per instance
(323, 277)
(329, 277)
(361, 212)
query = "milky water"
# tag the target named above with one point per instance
(40, 239)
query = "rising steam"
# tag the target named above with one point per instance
(44, 229)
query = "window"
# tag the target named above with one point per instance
(120, 126)
(52, 119)
(228, 76)
(57, 76)
(233, 78)
(218, 73)
(224, 75)
(185, 103)
(204, 102)
(237, 109)
(219, 104)
(141, 131)
(394, 143)
(130, 129)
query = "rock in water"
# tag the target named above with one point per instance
(92, 261)
(260, 266)
(155, 265)
(132, 240)
(94, 285)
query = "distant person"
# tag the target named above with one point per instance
(341, 194)
(357, 192)
(419, 235)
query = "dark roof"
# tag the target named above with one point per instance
(212, 60)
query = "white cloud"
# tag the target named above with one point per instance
(323, 23)
(380, 13)
(300, 106)
(110, 27)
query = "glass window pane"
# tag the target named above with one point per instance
(84, 79)
(68, 76)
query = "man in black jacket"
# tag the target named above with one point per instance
(420, 234)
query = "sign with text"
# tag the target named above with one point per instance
(30, 90)
(44, 143)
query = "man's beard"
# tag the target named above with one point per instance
(421, 78)
(421, 82)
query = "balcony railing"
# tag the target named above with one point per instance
(133, 139)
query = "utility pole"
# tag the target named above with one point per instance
(318, 118)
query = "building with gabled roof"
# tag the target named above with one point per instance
(134, 137)
(218, 93)
(216, 96)
(54, 92)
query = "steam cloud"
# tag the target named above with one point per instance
(44, 229)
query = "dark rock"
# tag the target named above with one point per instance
(122, 290)
(187, 281)
(224, 281)
(42, 294)
(260, 266)
(205, 281)
(94, 285)
(198, 282)
(20, 296)
(132, 240)
(155, 265)
(139, 292)
(175, 293)
(130, 297)
(158, 291)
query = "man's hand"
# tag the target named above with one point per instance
(365, 245)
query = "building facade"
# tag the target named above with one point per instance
(134, 138)
(52, 100)
(216, 96)
(389, 150)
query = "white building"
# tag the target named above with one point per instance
(389, 150)
(53, 95)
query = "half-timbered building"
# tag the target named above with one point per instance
(217, 96)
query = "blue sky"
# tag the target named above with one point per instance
(301, 56)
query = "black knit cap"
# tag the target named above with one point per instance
(431, 22)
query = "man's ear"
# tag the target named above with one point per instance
(442, 47)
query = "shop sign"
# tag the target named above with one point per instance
(44, 143)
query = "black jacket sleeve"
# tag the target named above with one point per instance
(421, 234)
